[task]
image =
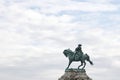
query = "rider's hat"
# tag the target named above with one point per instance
(79, 45)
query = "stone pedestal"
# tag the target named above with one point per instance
(74, 74)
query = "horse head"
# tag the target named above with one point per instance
(68, 52)
(65, 52)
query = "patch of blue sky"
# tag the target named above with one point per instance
(95, 1)
(72, 12)
(79, 0)
(115, 1)
(9, 2)
(34, 7)
(14, 1)
(107, 19)
(80, 16)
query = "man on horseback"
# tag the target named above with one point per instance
(78, 51)
(77, 56)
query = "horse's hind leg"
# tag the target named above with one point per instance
(84, 65)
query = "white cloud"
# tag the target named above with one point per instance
(57, 6)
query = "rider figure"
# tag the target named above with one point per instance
(78, 51)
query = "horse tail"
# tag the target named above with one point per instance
(91, 62)
(88, 59)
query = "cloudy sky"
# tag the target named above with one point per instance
(34, 33)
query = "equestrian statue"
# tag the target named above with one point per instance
(77, 55)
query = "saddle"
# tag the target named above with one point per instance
(78, 56)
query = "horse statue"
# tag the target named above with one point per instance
(69, 53)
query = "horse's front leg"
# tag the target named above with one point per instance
(80, 65)
(69, 64)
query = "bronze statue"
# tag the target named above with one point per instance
(77, 56)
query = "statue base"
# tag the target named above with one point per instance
(75, 74)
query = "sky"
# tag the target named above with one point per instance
(34, 34)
